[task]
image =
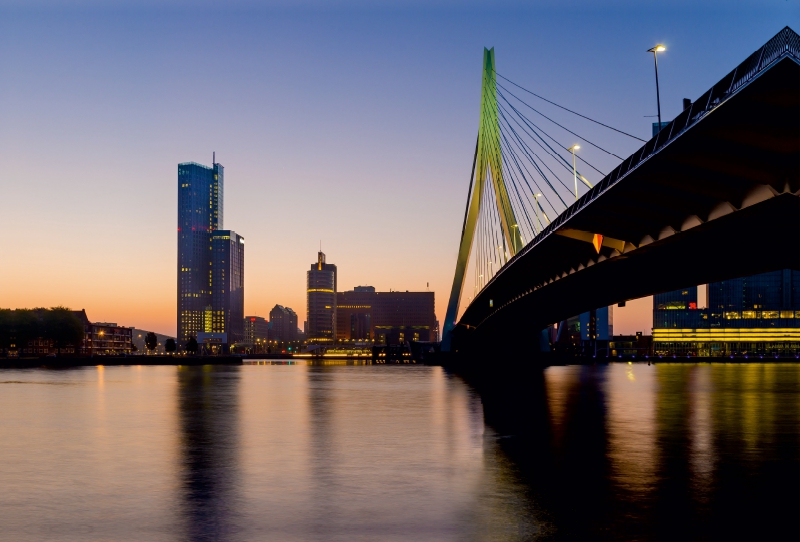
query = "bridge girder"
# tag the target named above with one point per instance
(720, 200)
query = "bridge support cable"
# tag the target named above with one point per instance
(570, 110)
(519, 164)
(537, 137)
(554, 122)
(536, 134)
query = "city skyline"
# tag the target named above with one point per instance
(393, 133)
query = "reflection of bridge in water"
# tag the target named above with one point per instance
(713, 196)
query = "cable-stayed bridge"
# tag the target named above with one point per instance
(712, 196)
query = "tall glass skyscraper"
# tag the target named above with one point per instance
(206, 291)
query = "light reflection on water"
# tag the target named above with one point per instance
(669, 451)
(344, 452)
(256, 452)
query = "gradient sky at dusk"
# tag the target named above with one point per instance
(352, 123)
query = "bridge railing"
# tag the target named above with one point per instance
(785, 43)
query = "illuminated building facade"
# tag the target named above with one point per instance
(283, 323)
(210, 260)
(200, 211)
(364, 315)
(321, 301)
(755, 315)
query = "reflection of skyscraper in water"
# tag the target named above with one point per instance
(209, 444)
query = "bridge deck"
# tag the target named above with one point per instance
(714, 196)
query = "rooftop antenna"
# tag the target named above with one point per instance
(213, 158)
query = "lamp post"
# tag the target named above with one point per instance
(655, 50)
(536, 209)
(572, 149)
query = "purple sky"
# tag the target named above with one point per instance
(352, 123)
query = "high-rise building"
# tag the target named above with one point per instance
(226, 311)
(753, 315)
(283, 322)
(363, 315)
(199, 213)
(321, 301)
(210, 259)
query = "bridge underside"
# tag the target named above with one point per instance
(721, 200)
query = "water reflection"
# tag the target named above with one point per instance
(667, 452)
(208, 398)
(344, 452)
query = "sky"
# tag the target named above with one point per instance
(348, 123)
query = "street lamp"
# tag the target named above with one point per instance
(536, 209)
(572, 149)
(655, 50)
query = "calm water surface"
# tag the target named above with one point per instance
(344, 452)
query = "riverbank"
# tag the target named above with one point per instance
(86, 361)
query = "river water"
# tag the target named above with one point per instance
(360, 452)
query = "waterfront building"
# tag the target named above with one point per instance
(283, 322)
(364, 315)
(210, 260)
(637, 345)
(104, 338)
(256, 330)
(321, 301)
(753, 315)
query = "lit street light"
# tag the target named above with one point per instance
(572, 149)
(655, 50)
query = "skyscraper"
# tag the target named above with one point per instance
(321, 301)
(210, 260)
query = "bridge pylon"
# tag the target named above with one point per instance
(487, 165)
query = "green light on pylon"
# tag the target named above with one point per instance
(488, 162)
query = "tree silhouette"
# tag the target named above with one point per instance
(170, 346)
(191, 345)
(151, 341)
(64, 328)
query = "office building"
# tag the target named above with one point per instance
(256, 331)
(283, 323)
(210, 260)
(364, 315)
(754, 315)
(587, 334)
(224, 316)
(321, 301)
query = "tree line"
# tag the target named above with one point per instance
(58, 324)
